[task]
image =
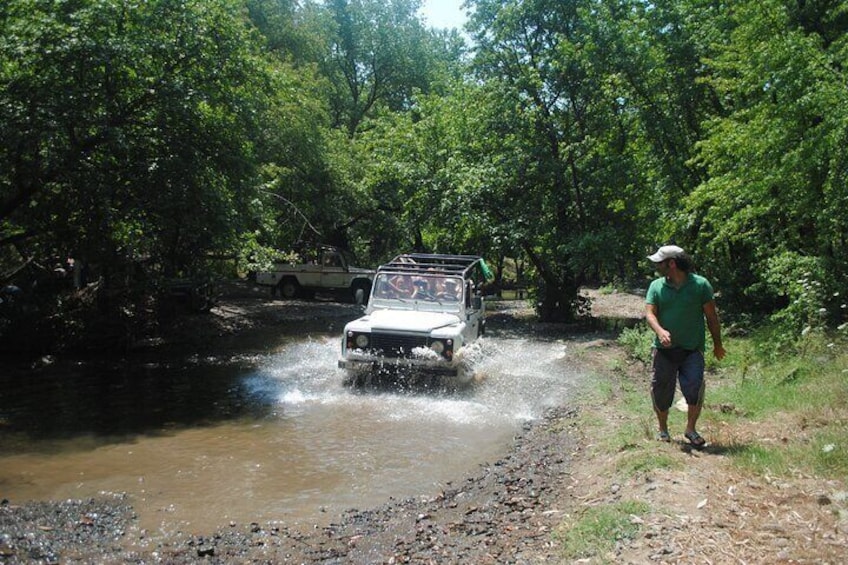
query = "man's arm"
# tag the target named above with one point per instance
(653, 321)
(715, 328)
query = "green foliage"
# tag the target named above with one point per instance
(597, 530)
(136, 140)
(254, 256)
(134, 132)
(541, 183)
(791, 276)
(638, 341)
(776, 158)
(375, 56)
(808, 390)
(145, 137)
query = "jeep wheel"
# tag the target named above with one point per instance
(289, 288)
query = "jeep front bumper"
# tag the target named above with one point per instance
(375, 364)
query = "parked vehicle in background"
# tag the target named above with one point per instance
(319, 268)
(193, 295)
(424, 312)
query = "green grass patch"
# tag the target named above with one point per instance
(643, 461)
(626, 435)
(759, 381)
(825, 456)
(754, 398)
(827, 453)
(759, 389)
(597, 390)
(783, 415)
(807, 390)
(760, 459)
(596, 531)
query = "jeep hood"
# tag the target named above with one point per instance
(411, 320)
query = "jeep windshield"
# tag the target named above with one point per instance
(420, 289)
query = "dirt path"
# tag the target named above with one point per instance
(701, 510)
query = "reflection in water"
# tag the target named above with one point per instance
(107, 400)
(275, 436)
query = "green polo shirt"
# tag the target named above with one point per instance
(681, 310)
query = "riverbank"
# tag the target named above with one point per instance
(567, 477)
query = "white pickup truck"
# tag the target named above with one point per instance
(424, 311)
(322, 268)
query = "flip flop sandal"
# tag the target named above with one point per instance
(663, 436)
(695, 439)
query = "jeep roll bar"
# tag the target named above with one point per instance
(437, 264)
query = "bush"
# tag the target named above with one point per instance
(638, 342)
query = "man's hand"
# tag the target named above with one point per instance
(719, 352)
(663, 335)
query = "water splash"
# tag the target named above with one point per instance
(515, 381)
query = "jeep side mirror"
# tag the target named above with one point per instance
(477, 302)
(359, 297)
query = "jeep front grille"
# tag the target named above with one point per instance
(394, 345)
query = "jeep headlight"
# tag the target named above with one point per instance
(357, 340)
(443, 347)
(361, 341)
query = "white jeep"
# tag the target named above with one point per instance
(423, 313)
(320, 268)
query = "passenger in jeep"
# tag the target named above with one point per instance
(422, 290)
(449, 290)
(400, 286)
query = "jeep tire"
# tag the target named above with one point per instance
(289, 288)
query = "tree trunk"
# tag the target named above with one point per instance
(557, 292)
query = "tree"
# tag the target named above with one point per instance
(136, 139)
(377, 53)
(137, 132)
(777, 161)
(569, 150)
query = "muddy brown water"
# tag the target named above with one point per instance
(265, 435)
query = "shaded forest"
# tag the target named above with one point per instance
(146, 142)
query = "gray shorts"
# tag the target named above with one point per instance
(671, 366)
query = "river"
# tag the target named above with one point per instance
(270, 434)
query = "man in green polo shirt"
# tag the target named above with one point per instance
(677, 304)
